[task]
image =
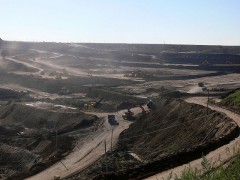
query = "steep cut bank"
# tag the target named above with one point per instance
(176, 133)
(33, 136)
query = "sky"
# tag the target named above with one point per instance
(122, 21)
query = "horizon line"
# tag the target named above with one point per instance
(137, 43)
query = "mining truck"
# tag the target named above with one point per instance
(112, 120)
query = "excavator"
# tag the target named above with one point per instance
(93, 104)
(129, 114)
(151, 105)
(144, 112)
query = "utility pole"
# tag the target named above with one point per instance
(105, 143)
(105, 156)
(207, 101)
(56, 140)
(111, 139)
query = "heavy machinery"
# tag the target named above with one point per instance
(93, 104)
(112, 119)
(128, 115)
(144, 112)
(151, 105)
(201, 84)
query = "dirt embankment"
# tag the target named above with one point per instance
(175, 133)
(111, 95)
(7, 94)
(33, 136)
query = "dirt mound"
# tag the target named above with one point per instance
(111, 94)
(32, 117)
(175, 125)
(175, 133)
(11, 94)
(33, 136)
(15, 66)
(16, 158)
(24, 156)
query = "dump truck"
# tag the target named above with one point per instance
(112, 119)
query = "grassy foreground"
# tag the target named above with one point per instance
(233, 99)
(232, 172)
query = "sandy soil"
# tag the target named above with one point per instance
(42, 64)
(217, 156)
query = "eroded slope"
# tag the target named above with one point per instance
(33, 136)
(175, 133)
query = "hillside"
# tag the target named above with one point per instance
(175, 133)
(231, 101)
(32, 136)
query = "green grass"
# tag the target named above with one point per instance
(233, 99)
(232, 172)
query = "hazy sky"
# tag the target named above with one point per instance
(123, 21)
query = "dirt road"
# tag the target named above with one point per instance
(49, 64)
(221, 154)
(87, 152)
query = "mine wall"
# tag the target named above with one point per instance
(228, 130)
(173, 160)
(110, 95)
(6, 94)
(32, 138)
(75, 85)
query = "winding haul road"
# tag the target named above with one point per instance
(88, 151)
(220, 155)
(92, 148)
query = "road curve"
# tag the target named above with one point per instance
(220, 155)
(88, 151)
